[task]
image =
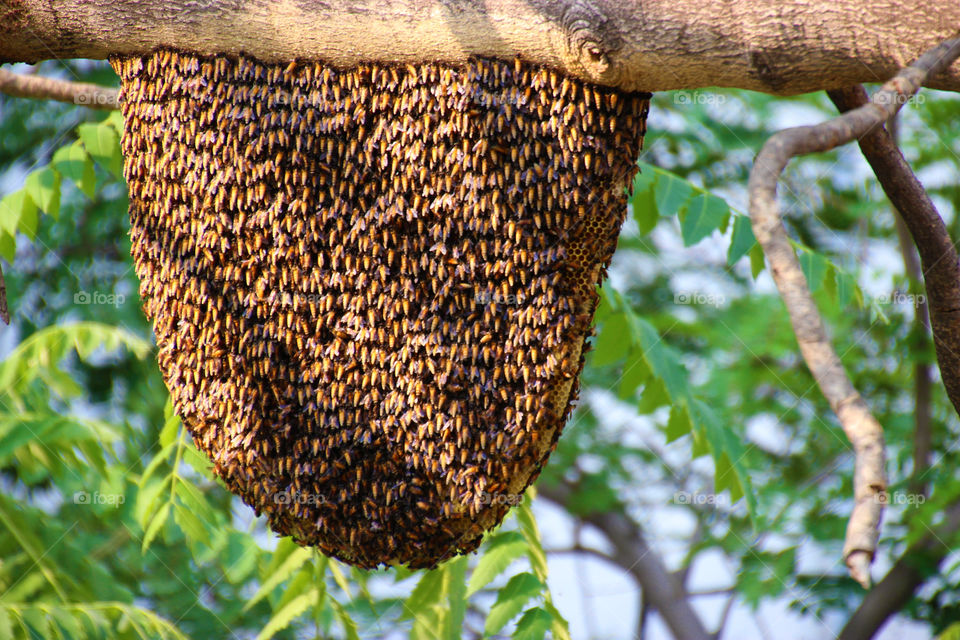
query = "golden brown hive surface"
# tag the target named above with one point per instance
(371, 288)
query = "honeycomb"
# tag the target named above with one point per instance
(371, 287)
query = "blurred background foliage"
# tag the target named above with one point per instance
(697, 419)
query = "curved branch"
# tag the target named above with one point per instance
(861, 428)
(79, 93)
(650, 45)
(938, 255)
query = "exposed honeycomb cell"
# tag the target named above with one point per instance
(371, 287)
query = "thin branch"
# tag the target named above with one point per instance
(727, 608)
(631, 552)
(640, 629)
(80, 93)
(861, 428)
(4, 310)
(922, 370)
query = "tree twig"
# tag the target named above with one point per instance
(80, 93)
(861, 428)
(922, 370)
(4, 310)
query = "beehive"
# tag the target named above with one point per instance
(371, 287)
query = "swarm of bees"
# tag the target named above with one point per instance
(371, 287)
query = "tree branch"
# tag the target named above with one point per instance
(4, 310)
(918, 563)
(80, 93)
(861, 428)
(660, 588)
(938, 256)
(651, 45)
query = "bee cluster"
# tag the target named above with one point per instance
(327, 257)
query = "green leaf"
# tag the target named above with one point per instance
(511, 600)
(645, 212)
(239, 557)
(663, 361)
(73, 162)
(8, 246)
(756, 260)
(846, 286)
(349, 626)
(531, 533)
(533, 625)
(290, 561)
(155, 463)
(814, 267)
(18, 211)
(456, 589)
(6, 629)
(102, 142)
(146, 502)
(679, 423)
(43, 186)
(671, 193)
(168, 434)
(197, 461)
(500, 554)
(195, 502)
(115, 120)
(428, 592)
(636, 371)
(156, 524)
(339, 578)
(291, 611)
(742, 239)
(612, 341)
(701, 216)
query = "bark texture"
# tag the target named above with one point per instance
(79, 93)
(648, 45)
(938, 255)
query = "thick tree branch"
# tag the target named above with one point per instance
(81, 93)
(651, 45)
(862, 429)
(660, 588)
